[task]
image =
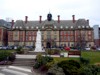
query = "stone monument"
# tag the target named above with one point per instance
(38, 44)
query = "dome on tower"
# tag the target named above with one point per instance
(49, 17)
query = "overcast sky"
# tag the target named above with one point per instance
(18, 9)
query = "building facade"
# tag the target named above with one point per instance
(3, 32)
(96, 35)
(55, 33)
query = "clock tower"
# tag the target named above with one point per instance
(49, 17)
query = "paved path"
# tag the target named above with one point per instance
(16, 70)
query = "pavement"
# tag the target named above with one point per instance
(16, 70)
(23, 70)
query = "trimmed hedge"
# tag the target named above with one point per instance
(6, 56)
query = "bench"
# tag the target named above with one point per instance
(74, 53)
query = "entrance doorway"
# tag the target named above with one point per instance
(48, 45)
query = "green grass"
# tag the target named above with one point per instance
(94, 57)
(8, 50)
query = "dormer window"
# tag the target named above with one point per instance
(83, 26)
(61, 27)
(32, 27)
(55, 27)
(66, 26)
(20, 27)
(42, 26)
(37, 27)
(71, 26)
(27, 27)
(16, 27)
(79, 26)
(13, 27)
(87, 26)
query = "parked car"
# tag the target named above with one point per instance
(87, 48)
(4, 47)
(67, 48)
(98, 48)
(0, 47)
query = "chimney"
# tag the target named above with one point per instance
(12, 23)
(58, 18)
(40, 19)
(26, 19)
(88, 21)
(73, 18)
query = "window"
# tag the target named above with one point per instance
(26, 38)
(65, 38)
(16, 27)
(68, 38)
(42, 32)
(48, 36)
(16, 35)
(71, 38)
(79, 26)
(61, 27)
(21, 38)
(64, 32)
(21, 32)
(30, 38)
(54, 32)
(61, 38)
(48, 32)
(37, 27)
(32, 27)
(55, 27)
(42, 26)
(55, 37)
(66, 26)
(68, 32)
(13, 27)
(89, 38)
(89, 32)
(27, 33)
(83, 26)
(42, 37)
(20, 27)
(27, 27)
(61, 33)
(87, 26)
(71, 26)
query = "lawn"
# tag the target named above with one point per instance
(8, 50)
(94, 57)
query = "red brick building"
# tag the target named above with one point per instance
(3, 32)
(55, 33)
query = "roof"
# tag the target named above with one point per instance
(20, 24)
(3, 23)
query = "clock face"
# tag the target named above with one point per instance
(49, 15)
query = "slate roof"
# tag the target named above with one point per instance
(3, 23)
(63, 23)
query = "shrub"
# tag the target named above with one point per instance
(88, 70)
(12, 57)
(55, 70)
(42, 61)
(4, 55)
(19, 50)
(70, 67)
(84, 61)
